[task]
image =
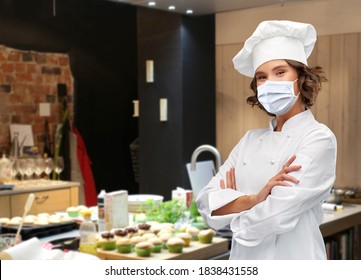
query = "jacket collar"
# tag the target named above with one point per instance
(296, 122)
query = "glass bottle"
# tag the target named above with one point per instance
(14, 153)
(87, 232)
(101, 211)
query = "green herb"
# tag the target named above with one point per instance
(164, 212)
(194, 209)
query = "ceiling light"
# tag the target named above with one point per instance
(189, 12)
(171, 8)
(151, 4)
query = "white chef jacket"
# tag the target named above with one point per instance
(286, 224)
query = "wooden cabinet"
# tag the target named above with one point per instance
(48, 199)
(45, 201)
(5, 206)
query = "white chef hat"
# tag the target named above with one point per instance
(275, 39)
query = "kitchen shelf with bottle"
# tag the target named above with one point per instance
(50, 196)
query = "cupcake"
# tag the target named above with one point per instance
(66, 219)
(107, 242)
(15, 221)
(143, 249)
(186, 237)
(206, 236)
(124, 245)
(120, 233)
(165, 237)
(4, 220)
(41, 222)
(143, 228)
(132, 231)
(156, 228)
(183, 228)
(148, 235)
(136, 239)
(152, 223)
(72, 212)
(82, 208)
(157, 243)
(43, 215)
(175, 245)
(167, 227)
(54, 219)
(29, 219)
(193, 231)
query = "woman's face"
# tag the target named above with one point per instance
(276, 70)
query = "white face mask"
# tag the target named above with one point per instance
(277, 97)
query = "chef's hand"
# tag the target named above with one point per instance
(279, 179)
(230, 180)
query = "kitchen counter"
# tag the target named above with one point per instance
(28, 186)
(334, 222)
(50, 196)
(337, 221)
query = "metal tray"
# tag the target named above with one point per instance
(30, 231)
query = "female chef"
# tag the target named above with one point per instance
(270, 189)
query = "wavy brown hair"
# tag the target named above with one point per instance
(309, 81)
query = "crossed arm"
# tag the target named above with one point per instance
(246, 202)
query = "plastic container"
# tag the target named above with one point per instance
(101, 211)
(87, 232)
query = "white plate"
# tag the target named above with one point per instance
(136, 201)
(142, 198)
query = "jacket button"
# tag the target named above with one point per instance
(273, 162)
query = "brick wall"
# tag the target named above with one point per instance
(28, 78)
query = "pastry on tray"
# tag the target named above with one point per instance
(206, 236)
(175, 245)
(165, 237)
(157, 243)
(107, 241)
(143, 249)
(120, 233)
(124, 245)
(193, 231)
(29, 219)
(186, 237)
(73, 211)
(4, 220)
(148, 235)
(15, 221)
(136, 239)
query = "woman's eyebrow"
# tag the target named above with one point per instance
(259, 73)
(273, 69)
(280, 66)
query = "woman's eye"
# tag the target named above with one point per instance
(260, 78)
(280, 72)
